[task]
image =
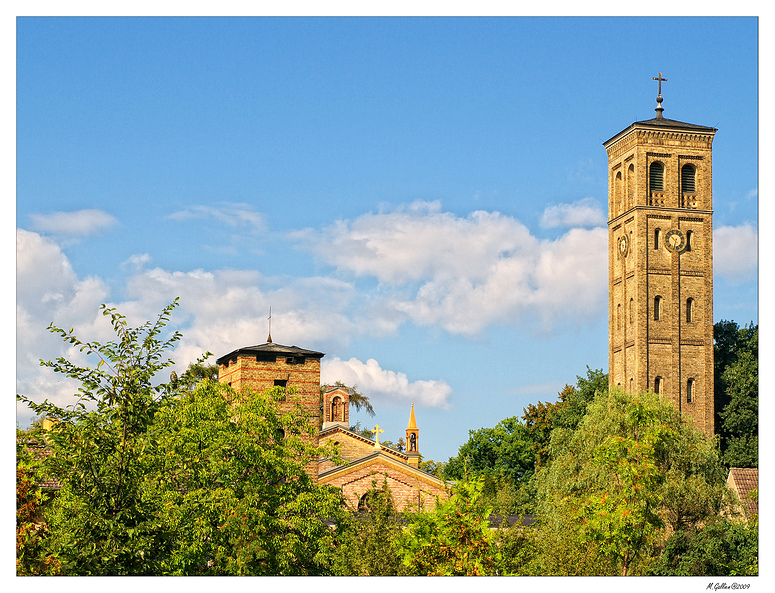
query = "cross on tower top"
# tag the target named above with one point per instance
(659, 108)
(377, 430)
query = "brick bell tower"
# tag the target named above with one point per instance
(660, 262)
(273, 365)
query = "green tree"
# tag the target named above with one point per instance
(632, 464)
(623, 518)
(364, 545)
(99, 522)
(231, 486)
(504, 450)
(32, 556)
(737, 392)
(163, 478)
(542, 418)
(452, 539)
(198, 371)
(722, 548)
(504, 457)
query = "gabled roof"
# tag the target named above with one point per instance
(348, 433)
(380, 456)
(270, 348)
(743, 480)
(662, 123)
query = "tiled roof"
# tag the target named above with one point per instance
(743, 480)
(39, 451)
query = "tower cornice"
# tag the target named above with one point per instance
(660, 210)
(645, 133)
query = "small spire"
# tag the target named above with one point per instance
(269, 338)
(412, 421)
(659, 108)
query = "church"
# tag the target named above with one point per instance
(660, 261)
(368, 464)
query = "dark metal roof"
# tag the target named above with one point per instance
(662, 123)
(270, 348)
(497, 521)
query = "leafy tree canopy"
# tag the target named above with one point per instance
(452, 539)
(542, 418)
(721, 548)
(504, 450)
(167, 478)
(632, 465)
(737, 392)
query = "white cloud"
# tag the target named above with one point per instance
(735, 252)
(78, 223)
(465, 274)
(49, 291)
(231, 214)
(583, 213)
(416, 242)
(462, 274)
(219, 311)
(383, 386)
(136, 262)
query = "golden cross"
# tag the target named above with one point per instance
(661, 80)
(377, 430)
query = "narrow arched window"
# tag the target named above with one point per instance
(337, 410)
(618, 193)
(630, 312)
(689, 310)
(689, 391)
(656, 176)
(618, 316)
(689, 237)
(688, 177)
(630, 184)
(657, 237)
(658, 385)
(657, 307)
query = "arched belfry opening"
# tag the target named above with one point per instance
(336, 407)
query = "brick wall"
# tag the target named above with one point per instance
(407, 489)
(642, 348)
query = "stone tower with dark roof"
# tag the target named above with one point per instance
(273, 365)
(660, 261)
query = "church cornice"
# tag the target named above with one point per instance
(379, 456)
(328, 432)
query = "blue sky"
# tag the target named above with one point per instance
(424, 200)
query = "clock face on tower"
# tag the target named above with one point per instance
(675, 240)
(623, 245)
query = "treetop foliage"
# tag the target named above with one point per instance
(188, 477)
(737, 392)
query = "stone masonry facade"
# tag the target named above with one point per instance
(262, 367)
(661, 264)
(410, 488)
